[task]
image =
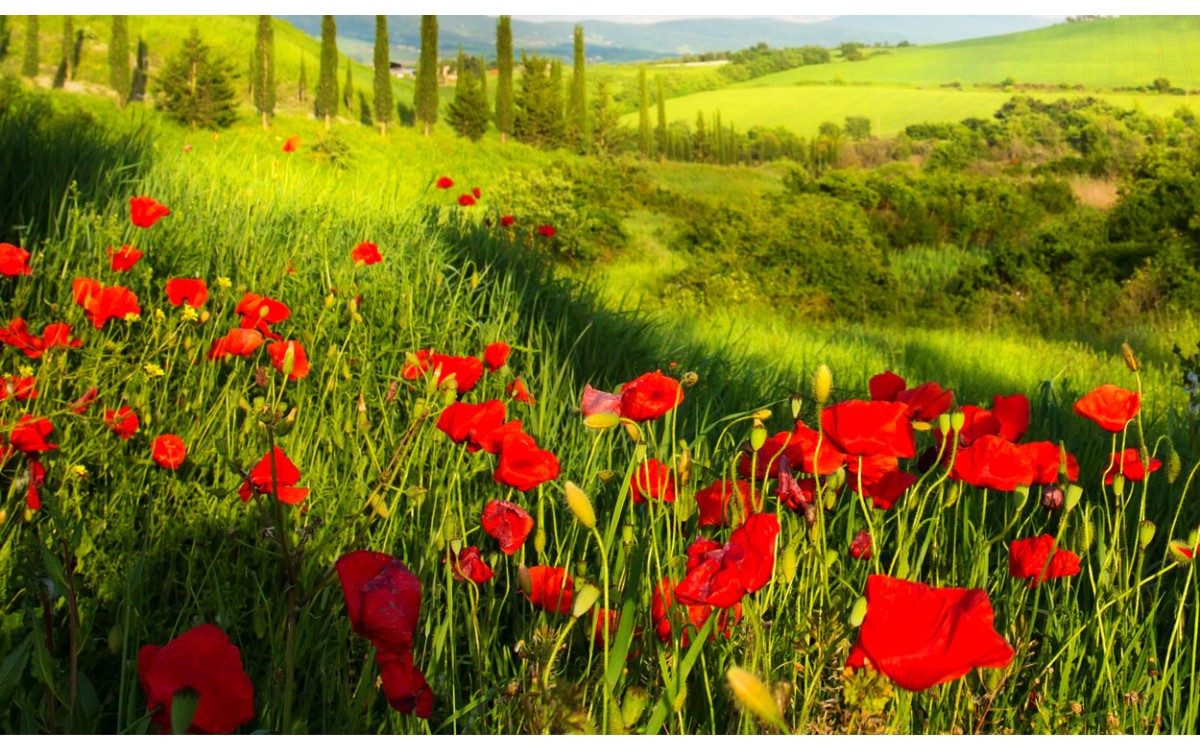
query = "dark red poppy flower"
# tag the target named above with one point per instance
(19, 388)
(869, 428)
(445, 183)
(123, 422)
(1109, 406)
(687, 619)
(860, 545)
(404, 685)
(886, 386)
(466, 199)
(605, 619)
(260, 313)
(720, 575)
(799, 497)
(275, 464)
(366, 253)
(472, 423)
(599, 402)
(204, 661)
(650, 396)
(507, 221)
(551, 589)
(714, 500)
(1128, 463)
(124, 259)
(765, 461)
(507, 523)
(102, 303)
(240, 342)
(1038, 558)
(81, 404)
(14, 261)
(920, 636)
(993, 463)
(291, 144)
(925, 402)
(192, 291)
(546, 230)
(144, 211)
(468, 565)
(31, 435)
(383, 599)
(168, 451)
(1046, 458)
(879, 478)
(495, 355)
(519, 392)
(279, 355)
(523, 465)
(653, 479)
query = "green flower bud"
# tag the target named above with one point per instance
(858, 612)
(585, 597)
(1074, 495)
(1146, 531)
(758, 435)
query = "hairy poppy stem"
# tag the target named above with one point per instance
(558, 642)
(604, 624)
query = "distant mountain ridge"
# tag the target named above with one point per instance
(609, 41)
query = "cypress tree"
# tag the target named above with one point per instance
(538, 117)
(469, 112)
(252, 75)
(700, 139)
(5, 37)
(348, 90)
(196, 88)
(662, 122)
(302, 89)
(606, 122)
(719, 138)
(68, 45)
(577, 119)
(426, 101)
(137, 87)
(29, 63)
(383, 75)
(555, 112)
(504, 86)
(76, 53)
(264, 81)
(326, 105)
(643, 113)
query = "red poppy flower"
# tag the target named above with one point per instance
(37, 475)
(993, 463)
(599, 402)
(650, 396)
(495, 355)
(1109, 406)
(471, 423)
(279, 351)
(366, 253)
(260, 313)
(518, 392)
(124, 259)
(14, 261)
(19, 388)
(444, 183)
(469, 565)
(475, 192)
(204, 661)
(1012, 412)
(879, 478)
(465, 370)
(653, 479)
(466, 199)
(860, 545)
(920, 636)
(713, 502)
(145, 211)
(168, 451)
(415, 365)
(285, 477)
(80, 405)
(925, 402)
(552, 589)
(869, 428)
(688, 619)
(383, 599)
(101, 303)
(1129, 464)
(123, 422)
(507, 221)
(523, 465)
(240, 342)
(83, 289)
(1038, 558)
(404, 685)
(192, 291)
(546, 230)
(1046, 458)
(291, 144)
(58, 335)
(507, 523)
(18, 336)
(31, 435)
(720, 575)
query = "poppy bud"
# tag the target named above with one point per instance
(683, 463)
(539, 541)
(689, 379)
(1174, 466)
(1022, 493)
(116, 639)
(858, 612)
(579, 504)
(762, 414)
(524, 580)
(634, 705)
(758, 434)
(1085, 534)
(796, 401)
(606, 476)
(329, 299)
(822, 384)
(627, 535)
(835, 480)
(1146, 531)
(952, 495)
(205, 316)
(788, 564)
(289, 359)
(633, 431)
(944, 423)
(1130, 360)
(829, 497)
(957, 420)
(755, 697)
(1181, 552)
(680, 699)
(1194, 537)
(1052, 497)
(601, 421)
(585, 597)
(1118, 486)
(1074, 495)
(639, 453)
(831, 557)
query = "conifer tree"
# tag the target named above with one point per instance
(557, 108)
(326, 104)
(700, 140)
(577, 119)
(662, 123)
(68, 45)
(643, 113)
(196, 88)
(264, 81)
(383, 75)
(606, 121)
(5, 37)
(29, 63)
(426, 101)
(538, 117)
(137, 87)
(469, 113)
(348, 89)
(302, 88)
(504, 86)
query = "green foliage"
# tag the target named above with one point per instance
(760, 60)
(264, 57)
(302, 85)
(118, 58)
(68, 46)
(426, 98)
(469, 113)
(644, 143)
(5, 37)
(196, 89)
(326, 103)
(137, 86)
(607, 123)
(505, 112)
(858, 127)
(29, 62)
(661, 131)
(383, 77)
(348, 88)
(577, 127)
(539, 114)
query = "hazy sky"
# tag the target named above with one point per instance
(656, 19)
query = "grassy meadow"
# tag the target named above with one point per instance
(128, 550)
